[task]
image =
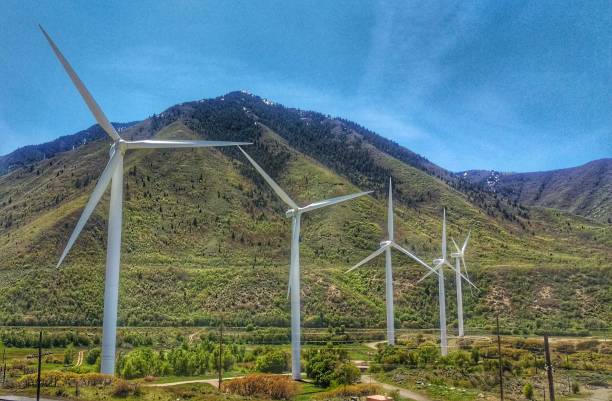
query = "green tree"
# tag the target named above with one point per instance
(272, 362)
(69, 354)
(475, 354)
(92, 356)
(528, 391)
(346, 373)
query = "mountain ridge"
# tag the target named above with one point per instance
(584, 190)
(203, 235)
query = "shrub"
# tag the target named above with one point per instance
(356, 390)
(346, 373)
(69, 355)
(575, 388)
(528, 391)
(321, 369)
(272, 362)
(475, 354)
(263, 386)
(121, 388)
(92, 356)
(589, 345)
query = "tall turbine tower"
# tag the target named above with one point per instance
(385, 246)
(295, 213)
(439, 268)
(113, 172)
(460, 260)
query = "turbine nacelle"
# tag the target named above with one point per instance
(292, 212)
(385, 243)
(120, 145)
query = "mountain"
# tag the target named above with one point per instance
(27, 155)
(584, 190)
(203, 235)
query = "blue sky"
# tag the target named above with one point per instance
(514, 86)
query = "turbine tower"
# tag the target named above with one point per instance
(295, 213)
(112, 174)
(439, 268)
(385, 246)
(460, 260)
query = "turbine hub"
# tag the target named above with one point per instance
(121, 145)
(385, 243)
(290, 212)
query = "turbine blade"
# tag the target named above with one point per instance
(390, 228)
(461, 274)
(91, 103)
(178, 143)
(289, 286)
(332, 201)
(456, 246)
(466, 272)
(278, 190)
(413, 256)
(367, 259)
(466, 241)
(444, 235)
(436, 267)
(96, 194)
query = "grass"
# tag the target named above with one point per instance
(202, 238)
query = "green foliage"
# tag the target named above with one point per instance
(69, 354)
(346, 373)
(186, 360)
(92, 356)
(322, 364)
(204, 234)
(528, 391)
(274, 361)
(475, 354)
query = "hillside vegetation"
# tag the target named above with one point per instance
(584, 190)
(203, 236)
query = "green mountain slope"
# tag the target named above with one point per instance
(584, 190)
(204, 236)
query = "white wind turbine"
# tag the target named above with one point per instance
(439, 267)
(385, 246)
(113, 172)
(294, 271)
(460, 260)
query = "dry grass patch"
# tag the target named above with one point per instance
(265, 386)
(355, 390)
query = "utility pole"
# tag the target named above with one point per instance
(549, 369)
(220, 352)
(39, 366)
(499, 357)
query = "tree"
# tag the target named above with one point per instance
(321, 368)
(69, 355)
(475, 355)
(272, 362)
(92, 356)
(347, 373)
(528, 391)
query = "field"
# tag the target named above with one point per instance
(469, 373)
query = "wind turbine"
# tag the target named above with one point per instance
(439, 267)
(385, 246)
(112, 174)
(459, 260)
(295, 213)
